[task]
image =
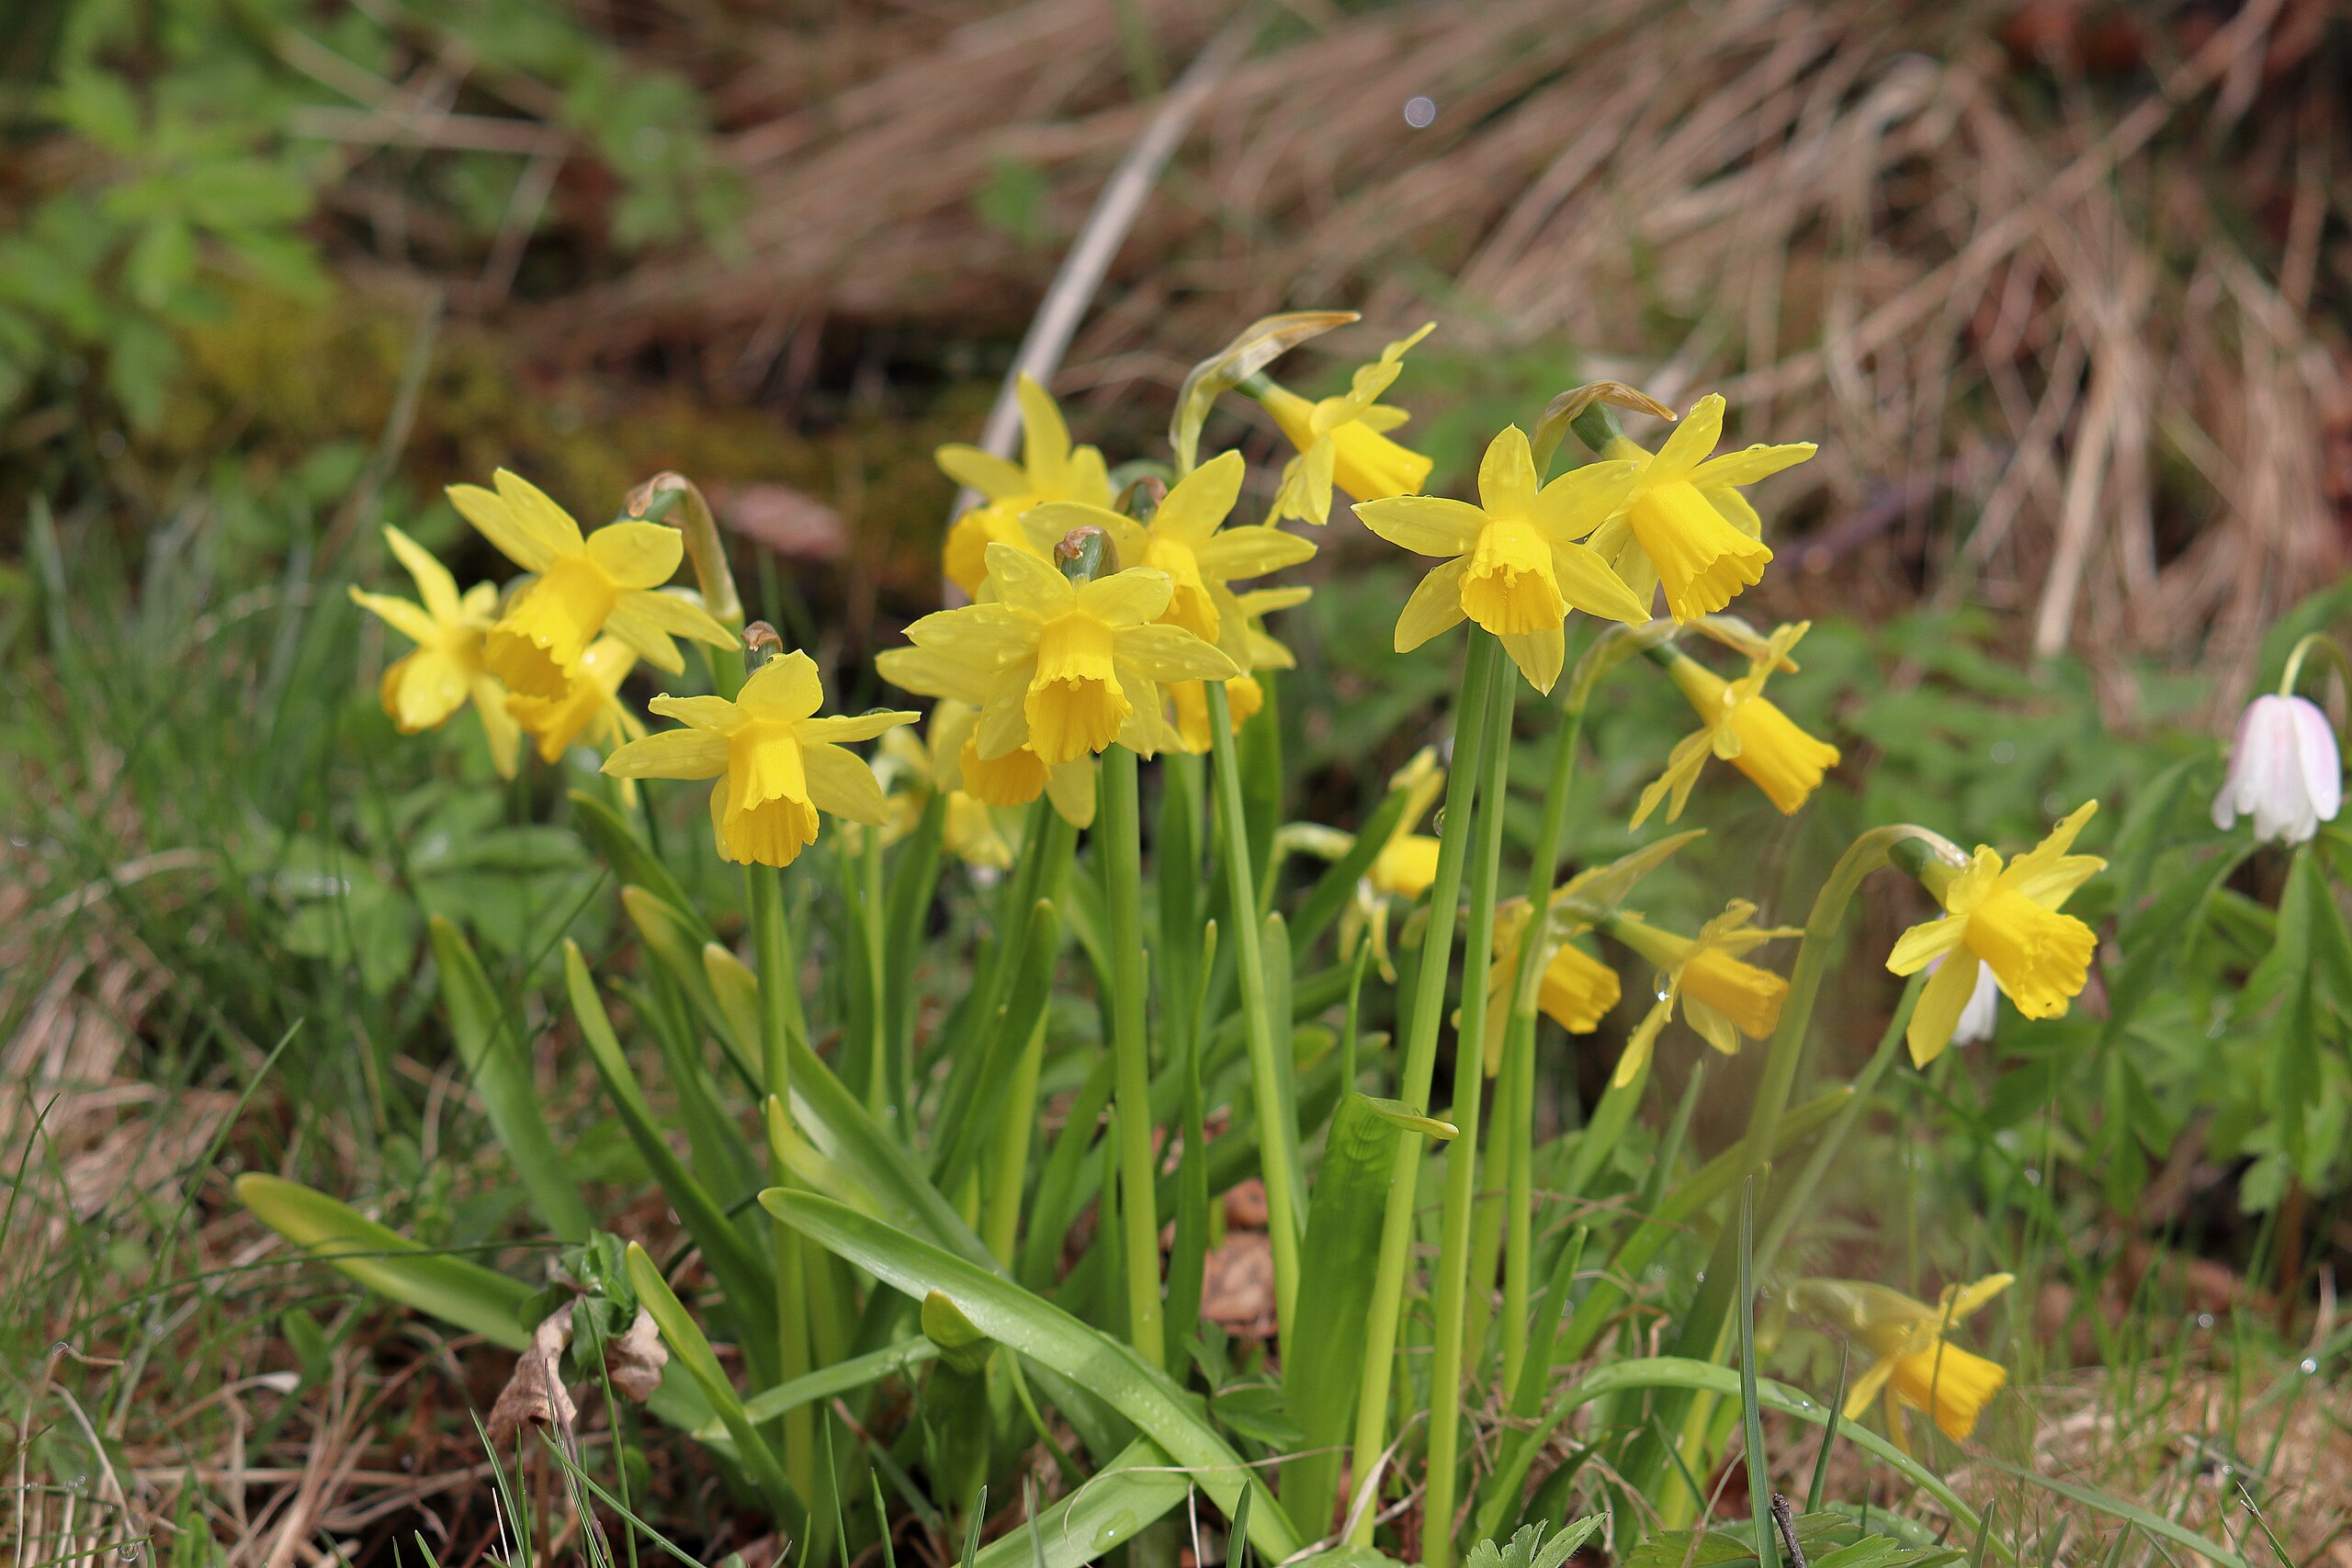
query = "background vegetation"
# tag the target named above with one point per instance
(2059, 287)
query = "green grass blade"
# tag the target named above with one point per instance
(634, 866)
(1759, 1479)
(1048, 1335)
(1817, 1492)
(837, 1379)
(501, 1076)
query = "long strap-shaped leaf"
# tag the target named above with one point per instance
(743, 1269)
(477, 1300)
(1043, 1333)
(1138, 1484)
(502, 1077)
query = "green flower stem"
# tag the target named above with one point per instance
(881, 1089)
(2324, 645)
(1470, 737)
(690, 514)
(1518, 1041)
(1867, 853)
(1121, 842)
(1462, 1158)
(1009, 1151)
(781, 1023)
(1279, 1159)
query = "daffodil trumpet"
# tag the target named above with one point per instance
(1740, 725)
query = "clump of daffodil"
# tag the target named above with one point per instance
(1576, 991)
(1186, 539)
(1072, 667)
(2005, 917)
(1911, 1360)
(1683, 522)
(1050, 469)
(422, 689)
(1723, 996)
(1015, 779)
(776, 762)
(914, 769)
(606, 581)
(1517, 567)
(591, 708)
(1345, 439)
(1740, 725)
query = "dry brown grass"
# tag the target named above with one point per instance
(2059, 328)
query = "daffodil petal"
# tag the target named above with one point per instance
(1171, 653)
(1045, 438)
(1252, 552)
(1588, 583)
(841, 782)
(1581, 500)
(855, 727)
(434, 583)
(1539, 655)
(716, 714)
(637, 555)
(1197, 503)
(1691, 442)
(1506, 475)
(1126, 599)
(984, 472)
(495, 521)
(1925, 942)
(670, 754)
(1435, 605)
(498, 725)
(1752, 463)
(1425, 525)
(935, 672)
(1027, 583)
(786, 687)
(1940, 1005)
(674, 613)
(403, 617)
(984, 635)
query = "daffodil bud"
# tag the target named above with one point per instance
(2284, 771)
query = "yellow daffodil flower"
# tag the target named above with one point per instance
(1049, 470)
(422, 689)
(604, 581)
(1015, 779)
(1576, 992)
(2006, 916)
(1737, 723)
(591, 707)
(1722, 997)
(778, 765)
(1685, 524)
(1072, 667)
(1910, 1358)
(1346, 439)
(1517, 569)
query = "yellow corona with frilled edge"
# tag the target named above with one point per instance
(1912, 1363)
(1741, 726)
(1723, 996)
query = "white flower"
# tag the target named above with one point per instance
(2284, 771)
(1984, 1008)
